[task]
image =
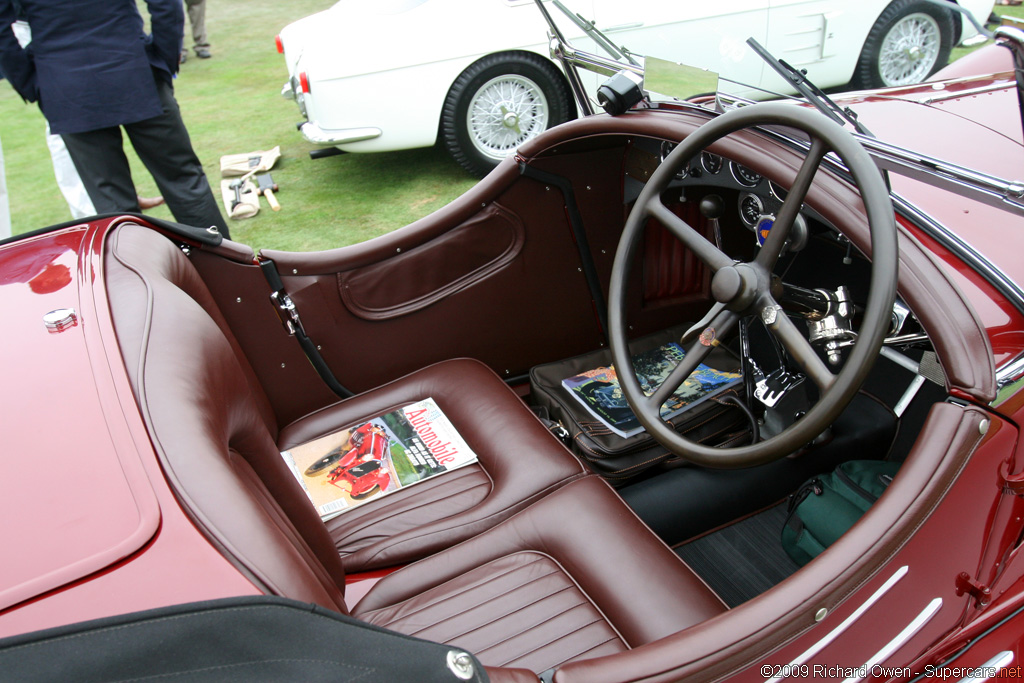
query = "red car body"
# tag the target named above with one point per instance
(94, 528)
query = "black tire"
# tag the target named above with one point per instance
(881, 64)
(366, 494)
(546, 97)
(324, 462)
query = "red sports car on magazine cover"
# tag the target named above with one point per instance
(852, 509)
(361, 468)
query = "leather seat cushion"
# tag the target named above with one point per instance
(574, 576)
(519, 461)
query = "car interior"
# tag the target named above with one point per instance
(563, 543)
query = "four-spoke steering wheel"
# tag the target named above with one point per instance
(743, 289)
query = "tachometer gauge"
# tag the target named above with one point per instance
(743, 175)
(751, 209)
(712, 163)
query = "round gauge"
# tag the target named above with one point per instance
(778, 191)
(666, 149)
(743, 175)
(751, 209)
(712, 163)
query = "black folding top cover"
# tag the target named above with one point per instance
(237, 639)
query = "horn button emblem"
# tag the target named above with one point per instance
(735, 286)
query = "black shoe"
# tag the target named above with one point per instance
(203, 52)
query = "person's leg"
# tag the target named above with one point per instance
(68, 180)
(163, 145)
(197, 20)
(101, 163)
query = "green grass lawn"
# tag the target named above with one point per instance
(232, 104)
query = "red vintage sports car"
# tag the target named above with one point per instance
(360, 470)
(866, 288)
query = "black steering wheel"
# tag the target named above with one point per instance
(743, 289)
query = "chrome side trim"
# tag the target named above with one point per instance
(981, 187)
(869, 667)
(991, 668)
(942, 95)
(794, 666)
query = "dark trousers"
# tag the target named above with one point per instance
(164, 147)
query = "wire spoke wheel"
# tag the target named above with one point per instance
(910, 50)
(910, 40)
(504, 113)
(498, 103)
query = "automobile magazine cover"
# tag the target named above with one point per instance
(377, 457)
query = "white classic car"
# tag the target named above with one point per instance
(399, 74)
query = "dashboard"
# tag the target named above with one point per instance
(747, 198)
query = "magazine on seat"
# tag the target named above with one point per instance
(382, 455)
(599, 392)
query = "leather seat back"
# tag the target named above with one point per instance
(210, 421)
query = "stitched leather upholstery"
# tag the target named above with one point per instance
(526, 594)
(519, 462)
(574, 576)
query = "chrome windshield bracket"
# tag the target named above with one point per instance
(1013, 39)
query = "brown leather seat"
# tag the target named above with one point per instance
(576, 575)
(570, 573)
(518, 462)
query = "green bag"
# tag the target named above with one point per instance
(826, 506)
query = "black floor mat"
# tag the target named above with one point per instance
(744, 559)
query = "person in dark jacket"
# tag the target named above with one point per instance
(93, 70)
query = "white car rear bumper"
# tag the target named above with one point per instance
(318, 136)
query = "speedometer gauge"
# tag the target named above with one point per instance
(743, 175)
(751, 209)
